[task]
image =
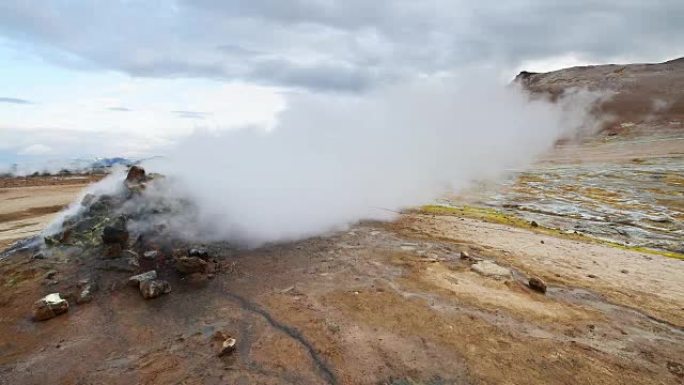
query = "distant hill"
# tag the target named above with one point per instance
(642, 91)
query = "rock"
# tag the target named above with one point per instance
(114, 250)
(38, 256)
(190, 265)
(465, 255)
(117, 265)
(198, 252)
(101, 205)
(50, 274)
(87, 200)
(128, 253)
(225, 344)
(151, 254)
(537, 284)
(624, 271)
(491, 269)
(49, 306)
(153, 288)
(136, 280)
(591, 276)
(114, 234)
(86, 294)
(135, 175)
(534, 224)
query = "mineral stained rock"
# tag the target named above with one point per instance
(190, 265)
(153, 288)
(49, 306)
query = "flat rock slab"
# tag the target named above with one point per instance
(491, 269)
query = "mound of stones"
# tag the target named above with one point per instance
(114, 234)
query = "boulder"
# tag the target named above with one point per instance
(153, 288)
(537, 284)
(190, 265)
(136, 280)
(49, 306)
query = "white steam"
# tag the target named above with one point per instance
(333, 160)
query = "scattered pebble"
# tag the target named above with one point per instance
(537, 284)
(226, 344)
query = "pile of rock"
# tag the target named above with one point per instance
(115, 233)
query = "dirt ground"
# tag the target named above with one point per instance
(381, 303)
(28, 204)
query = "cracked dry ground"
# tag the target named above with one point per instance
(379, 304)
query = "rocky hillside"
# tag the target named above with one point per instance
(643, 92)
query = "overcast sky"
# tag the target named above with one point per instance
(114, 77)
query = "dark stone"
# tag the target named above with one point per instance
(114, 234)
(199, 252)
(113, 250)
(537, 284)
(135, 175)
(534, 224)
(190, 265)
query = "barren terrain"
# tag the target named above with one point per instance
(381, 303)
(568, 272)
(28, 204)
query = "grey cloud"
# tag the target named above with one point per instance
(340, 44)
(14, 101)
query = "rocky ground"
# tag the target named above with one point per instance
(441, 296)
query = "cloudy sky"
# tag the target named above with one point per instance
(108, 77)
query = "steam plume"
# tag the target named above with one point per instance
(333, 160)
